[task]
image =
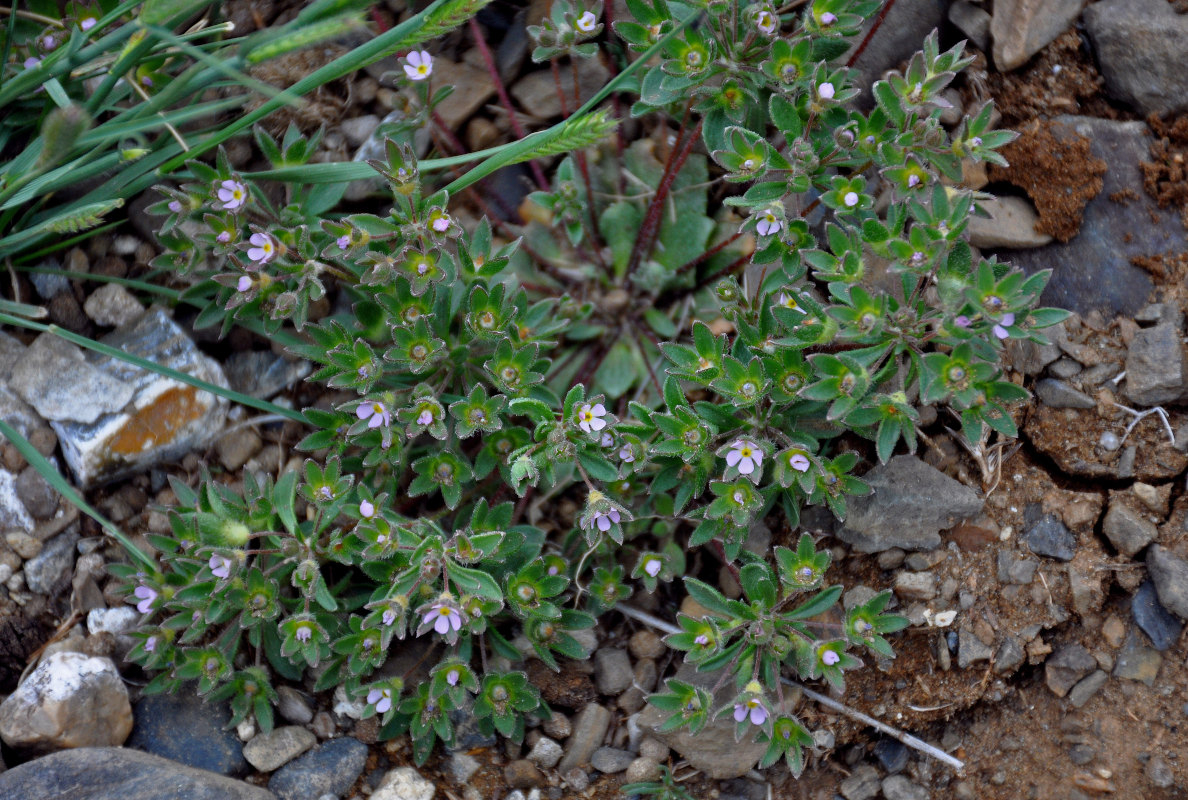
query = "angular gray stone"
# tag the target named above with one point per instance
(404, 783)
(1169, 573)
(915, 585)
(1083, 692)
(1066, 666)
(612, 670)
(714, 750)
(1094, 269)
(1011, 225)
(863, 783)
(356, 130)
(545, 753)
(263, 374)
(70, 700)
(1140, 48)
(1015, 569)
(38, 497)
(1058, 394)
(970, 649)
(1050, 537)
(1021, 28)
(331, 768)
(898, 787)
(112, 305)
(49, 572)
(184, 728)
(159, 418)
(116, 773)
(461, 767)
(589, 728)
(1009, 657)
(1127, 529)
(1161, 627)
(973, 22)
(910, 504)
(271, 751)
(1156, 366)
(1137, 661)
(56, 379)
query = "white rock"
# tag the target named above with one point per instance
(1011, 224)
(70, 700)
(113, 305)
(404, 783)
(56, 379)
(112, 620)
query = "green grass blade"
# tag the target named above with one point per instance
(144, 363)
(64, 488)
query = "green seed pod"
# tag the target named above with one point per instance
(60, 131)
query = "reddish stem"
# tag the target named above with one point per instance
(870, 33)
(650, 228)
(708, 254)
(504, 98)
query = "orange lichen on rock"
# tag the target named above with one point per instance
(158, 423)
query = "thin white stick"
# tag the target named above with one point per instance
(906, 738)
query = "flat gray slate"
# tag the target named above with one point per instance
(116, 773)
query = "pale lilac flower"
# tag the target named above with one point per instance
(828, 18)
(738, 496)
(851, 199)
(752, 708)
(586, 22)
(607, 440)
(150, 644)
(425, 417)
(343, 242)
(146, 80)
(220, 566)
(419, 66)
(223, 237)
(701, 639)
(444, 617)
(244, 283)
(377, 411)
(389, 616)
(961, 321)
(604, 520)
(829, 658)
(452, 676)
(976, 141)
(653, 566)
(787, 301)
(31, 62)
(88, 23)
(366, 509)
(232, 194)
(554, 569)
(913, 180)
(264, 249)
(826, 91)
(769, 224)
(382, 698)
(441, 224)
(626, 453)
(799, 462)
(1000, 328)
(590, 418)
(766, 22)
(303, 633)
(175, 206)
(745, 455)
(147, 597)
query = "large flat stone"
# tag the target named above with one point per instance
(1140, 49)
(911, 503)
(1094, 269)
(114, 773)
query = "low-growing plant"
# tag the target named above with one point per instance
(479, 377)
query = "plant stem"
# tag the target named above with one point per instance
(650, 228)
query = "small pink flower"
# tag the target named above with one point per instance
(303, 633)
(799, 462)
(962, 321)
(31, 62)
(150, 644)
(232, 194)
(220, 566)
(1000, 329)
(604, 520)
(826, 91)
(243, 284)
(913, 180)
(366, 509)
(425, 417)
(381, 699)
(263, 249)
(452, 676)
(745, 455)
(828, 18)
(175, 206)
(626, 454)
(88, 23)
(653, 566)
(829, 658)
(443, 617)
(752, 708)
(389, 616)
(586, 22)
(223, 237)
(377, 412)
(147, 597)
(343, 242)
(851, 199)
(766, 22)
(441, 224)
(769, 224)
(590, 418)
(419, 66)
(701, 639)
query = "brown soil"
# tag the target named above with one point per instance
(1061, 79)
(1165, 176)
(1058, 173)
